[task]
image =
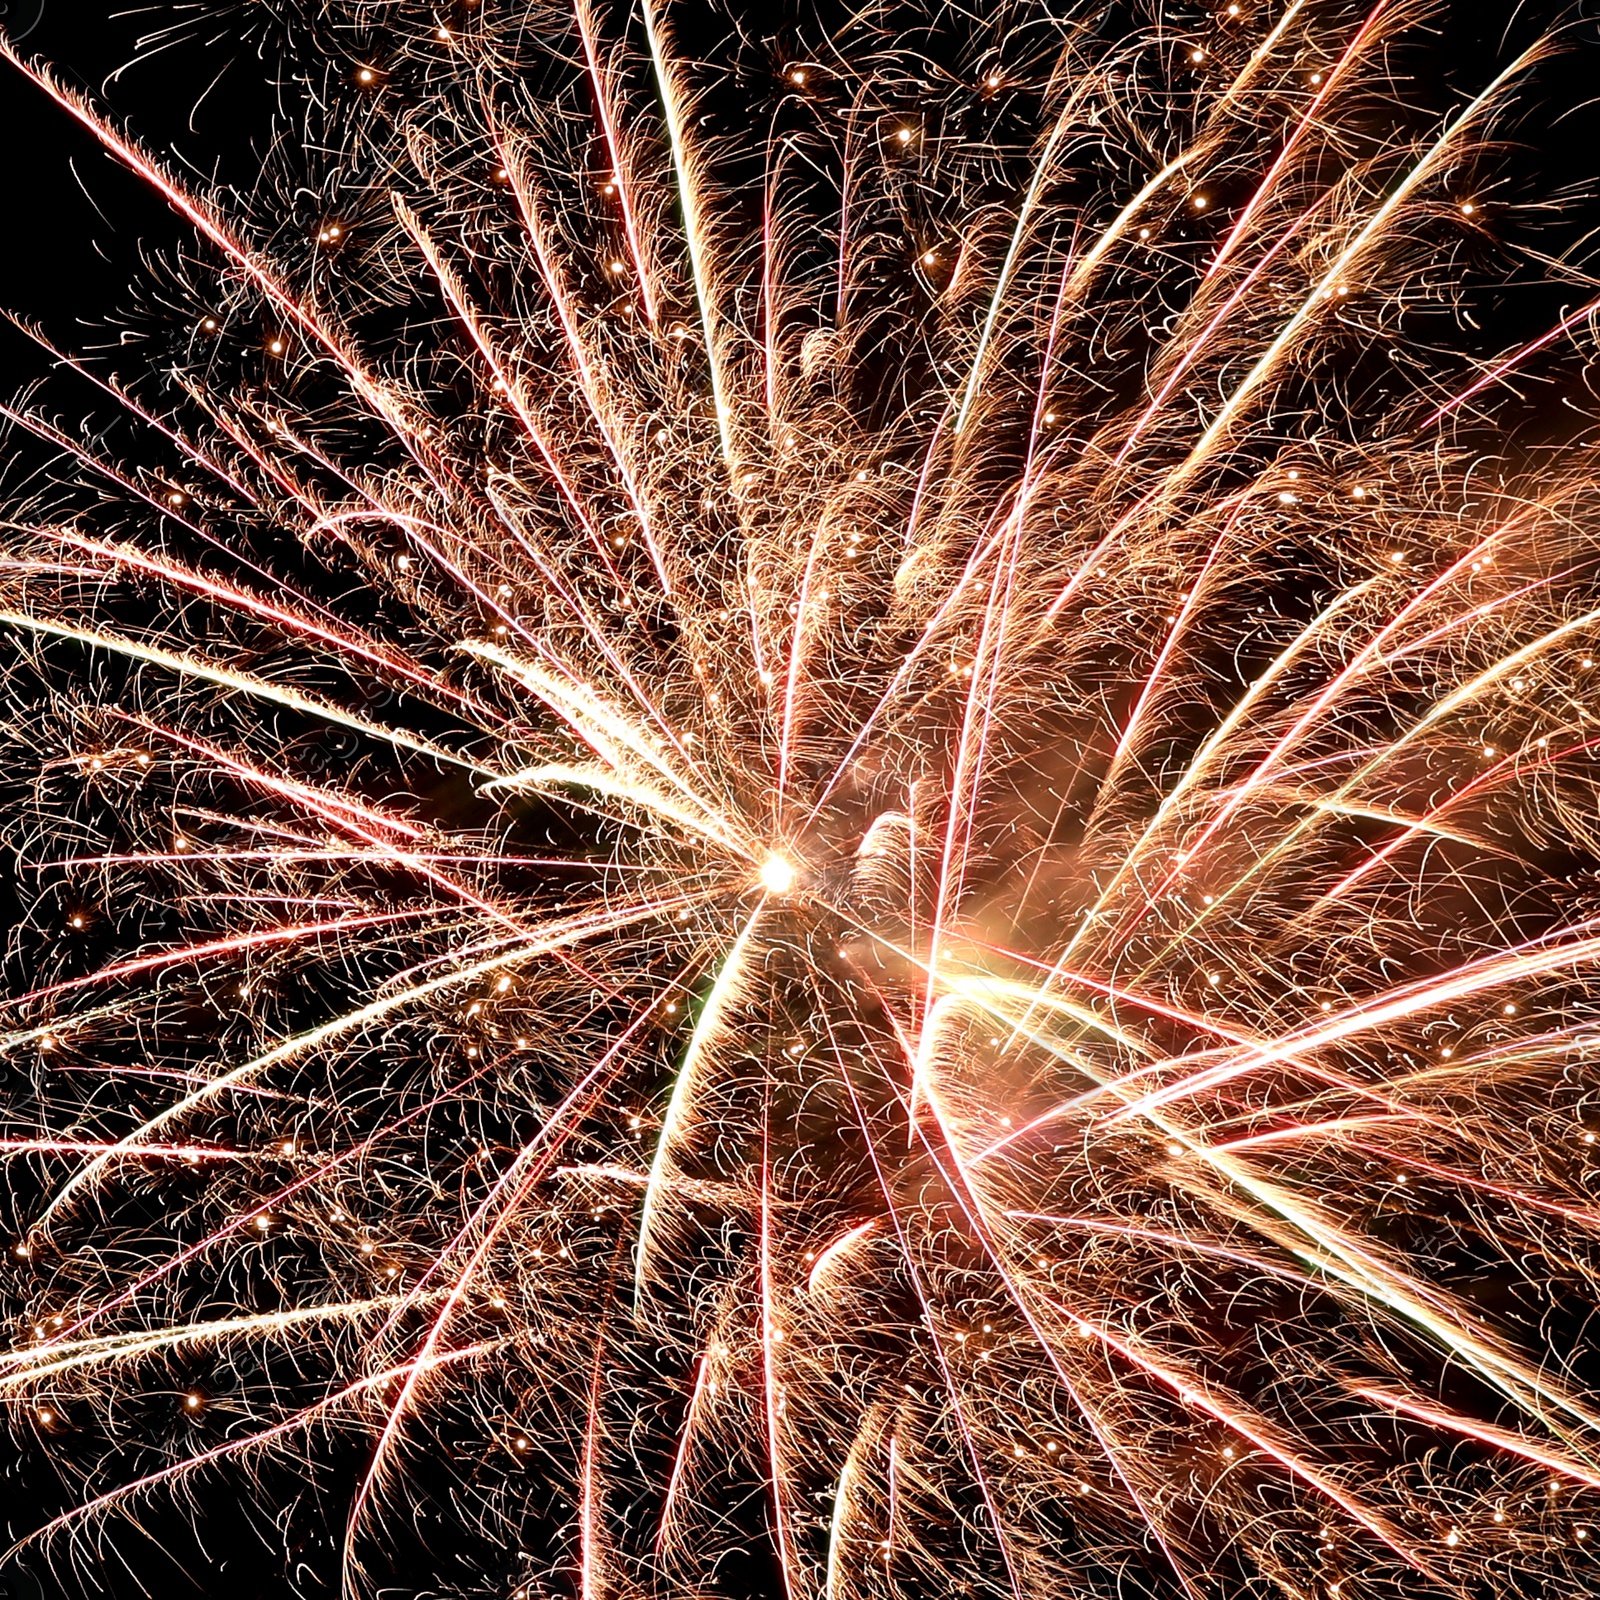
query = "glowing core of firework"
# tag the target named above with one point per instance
(777, 874)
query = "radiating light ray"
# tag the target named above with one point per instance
(1331, 79)
(593, 384)
(555, 777)
(499, 1209)
(1360, 1269)
(583, 14)
(1515, 359)
(314, 1038)
(1484, 1433)
(281, 694)
(46, 1360)
(1025, 215)
(238, 599)
(1346, 262)
(615, 739)
(214, 229)
(958, 1401)
(201, 458)
(839, 1519)
(1371, 654)
(235, 944)
(970, 1203)
(1196, 1395)
(725, 993)
(772, 1334)
(680, 1456)
(95, 1147)
(695, 222)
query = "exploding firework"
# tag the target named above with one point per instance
(812, 831)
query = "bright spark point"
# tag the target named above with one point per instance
(777, 875)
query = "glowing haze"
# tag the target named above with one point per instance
(803, 822)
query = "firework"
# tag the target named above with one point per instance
(812, 828)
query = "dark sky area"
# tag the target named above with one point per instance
(78, 222)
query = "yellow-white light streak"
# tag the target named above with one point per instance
(1368, 237)
(867, 1437)
(241, 683)
(1335, 1255)
(695, 227)
(724, 994)
(49, 1357)
(1025, 215)
(553, 777)
(615, 739)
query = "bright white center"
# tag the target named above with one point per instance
(777, 875)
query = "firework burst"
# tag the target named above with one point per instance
(831, 851)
